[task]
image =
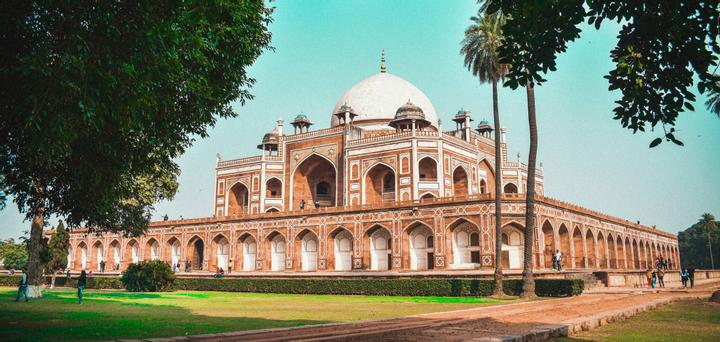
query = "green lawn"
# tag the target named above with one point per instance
(680, 321)
(116, 314)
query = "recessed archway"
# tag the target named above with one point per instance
(276, 246)
(510, 188)
(591, 249)
(132, 253)
(565, 255)
(341, 245)
(96, 256)
(578, 247)
(379, 185)
(273, 188)
(196, 253)
(378, 246)
(512, 240)
(247, 252)
(314, 181)
(219, 253)
(115, 256)
(464, 250)
(306, 249)
(548, 244)
(152, 250)
(419, 247)
(238, 199)
(612, 252)
(427, 168)
(172, 252)
(461, 186)
(81, 256)
(602, 253)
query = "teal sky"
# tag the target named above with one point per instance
(322, 48)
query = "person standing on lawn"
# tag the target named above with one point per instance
(661, 276)
(22, 288)
(684, 277)
(82, 281)
(691, 277)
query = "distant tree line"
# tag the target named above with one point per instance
(697, 241)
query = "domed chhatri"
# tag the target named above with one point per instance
(301, 123)
(484, 128)
(376, 98)
(270, 141)
(407, 115)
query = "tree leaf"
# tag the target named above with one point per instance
(655, 142)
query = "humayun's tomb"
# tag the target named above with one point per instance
(383, 189)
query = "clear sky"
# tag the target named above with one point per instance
(322, 48)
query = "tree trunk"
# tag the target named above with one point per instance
(712, 262)
(528, 290)
(35, 267)
(52, 280)
(498, 192)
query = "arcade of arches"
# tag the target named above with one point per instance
(424, 241)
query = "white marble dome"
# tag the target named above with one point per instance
(377, 98)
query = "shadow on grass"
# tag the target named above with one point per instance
(58, 317)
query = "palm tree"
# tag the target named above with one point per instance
(713, 102)
(707, 223)
(482, 39)
(528, 287)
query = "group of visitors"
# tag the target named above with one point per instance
(687, 275)
(662, 263)
(656, 277)
(22, 288)
(176, 266)
(557, 260)
(219, 273)
(302, 204)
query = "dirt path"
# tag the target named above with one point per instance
(467, 324)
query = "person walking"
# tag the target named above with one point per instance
(558, 257)
(22, 288)
(649, 277)
(691, 277)
(684, 277)
(661, 276)
(102, 266)
(67, 277)
(82, 281)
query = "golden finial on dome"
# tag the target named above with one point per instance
(383, 68)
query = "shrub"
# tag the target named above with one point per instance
(375, 287)
(559, 287)
(148, 276)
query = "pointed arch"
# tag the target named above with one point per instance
(418, 246)
(306, 247)
(275, 248)
(486, 173)
(340, 249)
(314, 180)
(246, 252)
(549, 248)
(377, 248)
(463, 241)
(81, 256)
(219, 255)
(461, 182)
(512, 240)
(565, 241)
(602, 250)
(427, 168)
(510, 188)
(114, 255)
(273, 187)
(196, 253)
(172, 252)
(379, 184)
(237, 199)
(97, 255)
(591, 249)
(132, 253)
(578, 248)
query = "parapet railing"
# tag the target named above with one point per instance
(420, 203)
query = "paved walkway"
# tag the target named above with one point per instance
(462, 325)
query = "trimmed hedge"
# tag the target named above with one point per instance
(148, 276)
(375, 287)
(92, 283)
(559, 287)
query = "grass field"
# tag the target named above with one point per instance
(680, 321)
(117, 314)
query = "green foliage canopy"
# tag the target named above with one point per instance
(663, 48)
(14, 255)
(98, 98)
(694, 246)
(58, 249)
